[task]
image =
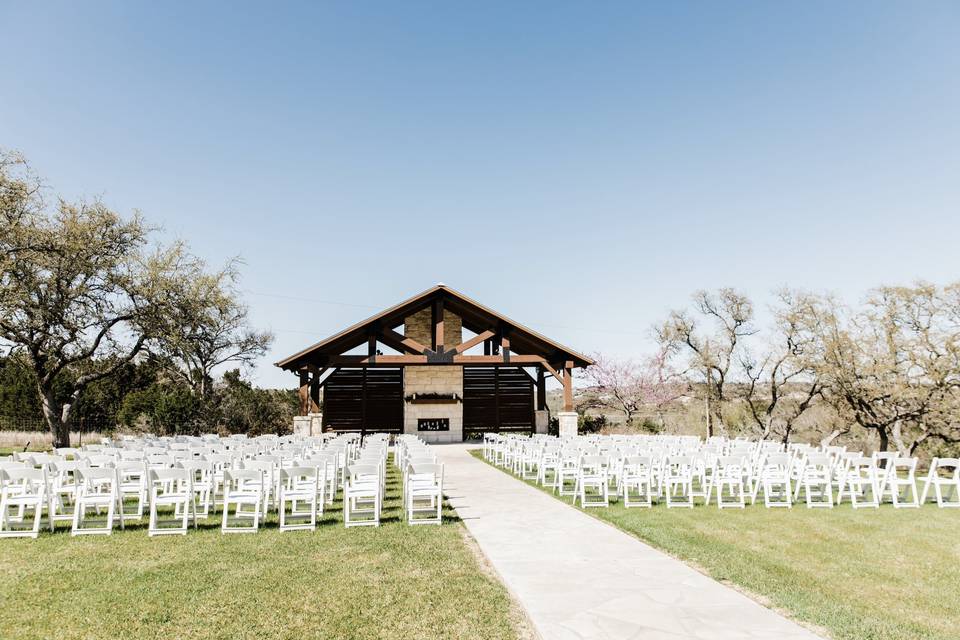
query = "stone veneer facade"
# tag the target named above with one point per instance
(441, 379)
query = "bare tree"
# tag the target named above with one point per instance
(781, 386)
(712, 350)
(891, 367)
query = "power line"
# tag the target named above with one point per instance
(301, 299)
(367, 306)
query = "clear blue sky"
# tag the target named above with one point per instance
(581, 167)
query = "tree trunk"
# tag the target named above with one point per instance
(824, 442)
(787, 430)
(57, 417)
(719, 425)
(902, 448)
(766, 429)
(884, 439)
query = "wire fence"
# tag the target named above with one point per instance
(41, 440)
(20, 423)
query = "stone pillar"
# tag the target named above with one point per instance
(301, 425)
(316, 423)
(541, 421)
(446, 380)
(568, 423)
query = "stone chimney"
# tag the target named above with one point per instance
(435, 379)
(419, 326)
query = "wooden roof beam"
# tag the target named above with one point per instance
(438, 337)
(412, 360)
(552, 371)
(472, 342)
(401, 343)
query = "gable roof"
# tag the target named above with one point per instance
(475, 316)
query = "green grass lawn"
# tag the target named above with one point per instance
(395, 581)
(7, 451)
(867, 574)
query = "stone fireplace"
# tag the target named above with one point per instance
(433, 394)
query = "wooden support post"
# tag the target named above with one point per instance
(568, 387)
(315, 392)
(496, 397)
(438, 326)
(304, 392)
(363, 406)
(541, 390)
(372, 348)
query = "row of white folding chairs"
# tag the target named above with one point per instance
(422, 481)
(26, 493)
(781, 477)
(365, 485)
(208, 471)
(206, 478)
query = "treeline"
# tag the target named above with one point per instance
(142, 398)
(883, 373)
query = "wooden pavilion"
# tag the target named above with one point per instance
(440, 365)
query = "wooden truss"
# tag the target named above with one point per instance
(505, 343)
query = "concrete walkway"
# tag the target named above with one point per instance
(580, 578)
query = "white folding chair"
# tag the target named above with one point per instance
(424, 493)
(270, 476)
(300, 487)
(902, 483)
(569, 467)
(774, 481)
(326, 464)
(203, 480)
(24, 489)
(637, 474)
(728, 482)
(549, 470)
(172, 488)
(63, 489)
(242, 488)
(678, 481)
(944, 473)
(132, 476)
(860, 482)
(816, 481)
(592, 484)
(361, 496)
(98, 489)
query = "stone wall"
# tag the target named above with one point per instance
(419, 326)
(436, 379)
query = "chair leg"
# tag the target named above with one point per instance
(152, 526)
(76, 516)
(38, 509)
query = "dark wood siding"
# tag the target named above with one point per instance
(364, 400)
(497, 399)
